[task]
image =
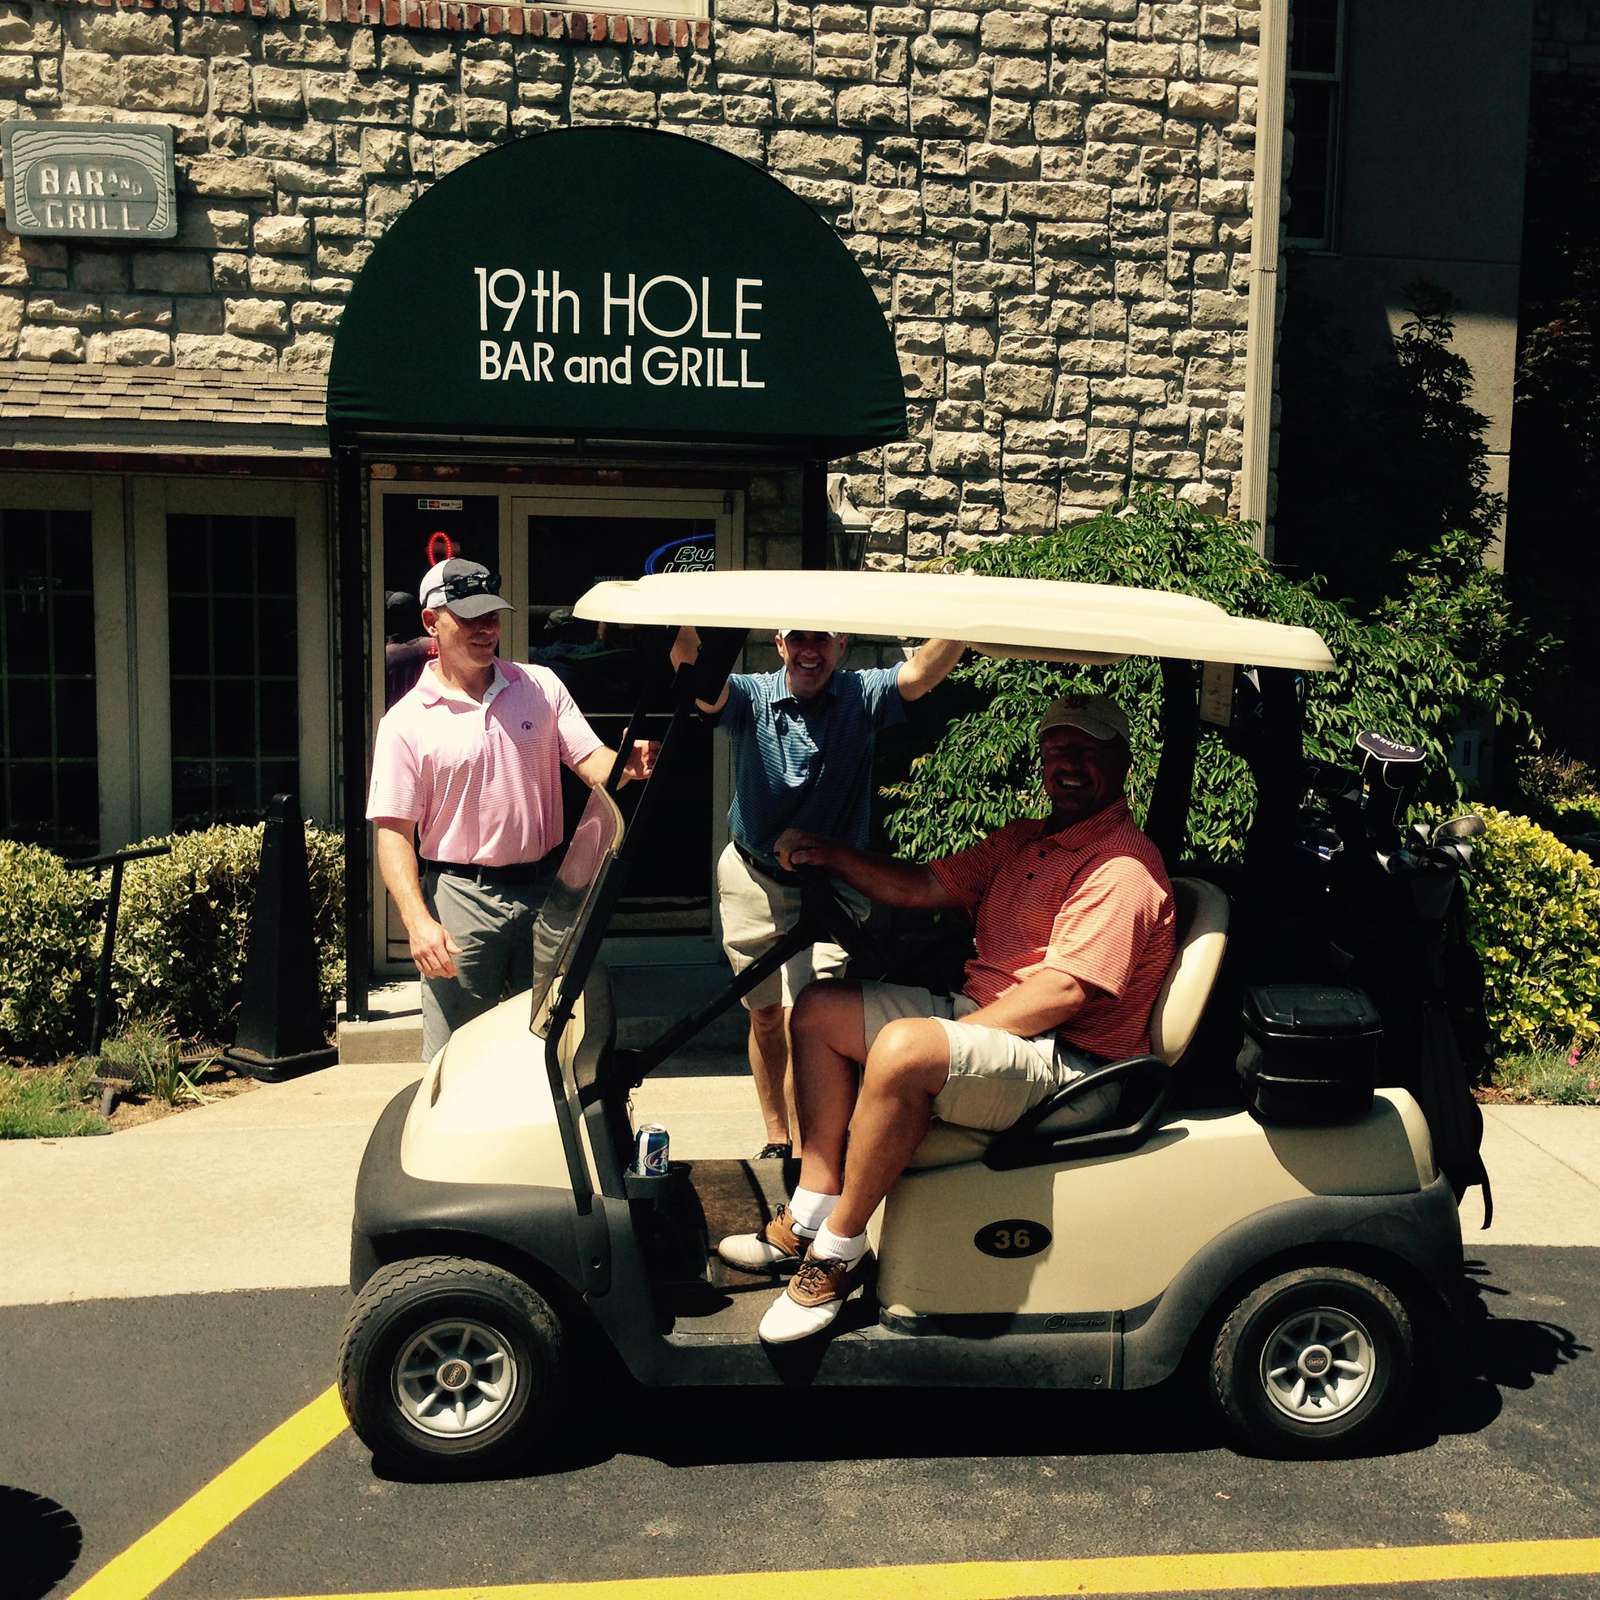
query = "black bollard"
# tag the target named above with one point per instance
(280, 1033)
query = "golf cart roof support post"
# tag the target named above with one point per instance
(349, 483)
(1277, 763)
(1167, 816)
(814, 515)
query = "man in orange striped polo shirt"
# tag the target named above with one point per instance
(1074, 930)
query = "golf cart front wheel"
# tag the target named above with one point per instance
(447, 1361)
(1313, 1361)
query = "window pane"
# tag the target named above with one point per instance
(1310, 190)
(278, 635)
(191, 792)
(241, 688)
(191, 717)
(33, 808)
(280, 720)
(237, 791)
(75, 729)
(236, 718)
(233, 555)
(275, 555)
(78, 807)
(279, 777)
(29, 726)
(48, 737)
(189, 635)
(1316, 36)
(235, 642)
(27, 637)
(74, 637)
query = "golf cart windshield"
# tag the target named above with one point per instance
(592, 848)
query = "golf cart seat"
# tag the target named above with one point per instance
(1202, 937)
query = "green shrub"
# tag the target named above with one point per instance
(1550, 1078)
(185, 933)
(1441, 652)
(50, 923)
(1561, 792)
(1535, 920)
(182, 937)
(1580, 814)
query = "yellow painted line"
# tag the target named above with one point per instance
(1014, 1580)
(151, 1560)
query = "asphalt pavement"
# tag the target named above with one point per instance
(172, 1293)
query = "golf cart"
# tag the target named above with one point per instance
(1291, 1246)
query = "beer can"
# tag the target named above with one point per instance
(650, 1158)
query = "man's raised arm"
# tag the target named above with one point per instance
(929, 667)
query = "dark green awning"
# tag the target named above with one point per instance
(615, 284)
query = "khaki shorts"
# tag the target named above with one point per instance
(995, 1076)
(756, 911)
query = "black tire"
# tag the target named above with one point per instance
(488, 1331)
(1272, 1339)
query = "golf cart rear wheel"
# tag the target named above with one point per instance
(1314, 1361)
(447, 1360)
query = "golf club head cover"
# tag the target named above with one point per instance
(719, 649)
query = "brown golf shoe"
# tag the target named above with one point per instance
(775, 1249)
(815, 1296)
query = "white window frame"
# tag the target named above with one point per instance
(152, 501)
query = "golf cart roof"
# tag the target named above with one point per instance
(1033, 617)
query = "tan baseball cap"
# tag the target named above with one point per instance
(1099, 717)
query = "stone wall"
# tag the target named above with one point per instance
(1052, 201)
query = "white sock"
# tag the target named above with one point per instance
(830, 1247)
(809, 1210)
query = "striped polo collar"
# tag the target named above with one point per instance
(1091, 830)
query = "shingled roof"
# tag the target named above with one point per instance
(59, 405)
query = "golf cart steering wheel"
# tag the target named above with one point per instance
(820, 904)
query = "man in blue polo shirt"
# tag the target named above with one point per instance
(802, 742)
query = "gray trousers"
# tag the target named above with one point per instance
(493, 924)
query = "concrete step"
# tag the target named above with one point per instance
(648, 1001)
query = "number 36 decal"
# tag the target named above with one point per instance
(1016, 1236)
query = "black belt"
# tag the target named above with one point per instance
(514, 872)
(766, 869)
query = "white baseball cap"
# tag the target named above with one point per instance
(1098, 716)
(467, 589)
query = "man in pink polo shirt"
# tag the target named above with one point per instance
(466, 773)
(1074, 924)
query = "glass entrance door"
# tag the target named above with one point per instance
(562, 548)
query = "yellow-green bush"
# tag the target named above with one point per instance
(1579, 813)
(50, 922)
(1535, 919)
(182, 936)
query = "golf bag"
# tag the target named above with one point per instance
(1399, 931)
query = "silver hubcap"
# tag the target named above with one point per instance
(454, 1378)
(1317, 1364)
